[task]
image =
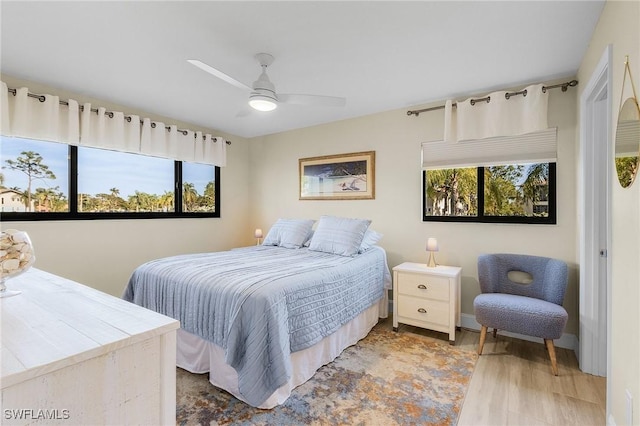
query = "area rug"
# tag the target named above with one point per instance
(387, 378)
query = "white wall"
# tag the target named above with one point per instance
(619, 25)
(103, 253)
(396, 210)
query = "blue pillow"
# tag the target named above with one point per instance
(289, 233)
(339, 235)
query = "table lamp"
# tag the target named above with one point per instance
(432, 246)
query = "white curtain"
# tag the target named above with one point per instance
(215, 151)
(40, 118)
(45, 118)
(109, 130)
(500, 116)
(212, 150)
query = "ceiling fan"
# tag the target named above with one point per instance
(263, 96)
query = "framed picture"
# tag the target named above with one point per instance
(338, 177)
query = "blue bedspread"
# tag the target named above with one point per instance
(261, 303)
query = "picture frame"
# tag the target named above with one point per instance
(338, 177)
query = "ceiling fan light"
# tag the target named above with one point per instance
(262, 102)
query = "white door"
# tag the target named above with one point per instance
(596, 157)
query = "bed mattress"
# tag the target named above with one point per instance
(261, 304)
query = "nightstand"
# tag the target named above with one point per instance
(427, 297)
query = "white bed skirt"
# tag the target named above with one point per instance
(199, 356)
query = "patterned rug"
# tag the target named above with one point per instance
(387, 378)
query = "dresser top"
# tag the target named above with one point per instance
(57, 322)
(422, 268)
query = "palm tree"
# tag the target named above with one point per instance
(115, 201)
(103, 202)
(501, 197)
(536, 181)
(167, 201)
(141, 201)
(44, 199)
(189, 196)
(209, 197)
(134, 202)
(452, 187)
(59, 200)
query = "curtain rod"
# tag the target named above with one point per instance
(42, 98)
(564, 87)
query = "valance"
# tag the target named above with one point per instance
(45, 117)
(497, 114)
(498, 129)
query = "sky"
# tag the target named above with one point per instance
(100, 170)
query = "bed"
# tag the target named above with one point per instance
(261, 320)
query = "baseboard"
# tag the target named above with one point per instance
(567, 341)
(611, 421)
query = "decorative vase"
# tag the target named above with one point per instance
(16, 256)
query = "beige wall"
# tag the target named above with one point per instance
(619, 26)
(396, 210)
(260, 184)
(103, 253)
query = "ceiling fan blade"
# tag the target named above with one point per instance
(315, 100)
(245, 112)
(222, 76)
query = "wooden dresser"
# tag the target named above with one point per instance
(427, 297)
(74, 355)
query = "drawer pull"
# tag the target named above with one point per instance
(422, 310)
(422, 287)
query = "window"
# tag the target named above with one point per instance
(110, 181)
(198, 188)
(451, 192)
(46, 180)
(523, 193)
(35, 176)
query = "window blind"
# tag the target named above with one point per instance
(536, 147)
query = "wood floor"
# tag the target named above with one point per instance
(513, 385)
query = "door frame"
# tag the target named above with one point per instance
(595, 202)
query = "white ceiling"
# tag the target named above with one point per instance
(378, 55)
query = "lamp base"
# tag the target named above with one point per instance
(432, 260)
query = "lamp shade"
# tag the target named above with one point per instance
(432, 244)
(258, 233)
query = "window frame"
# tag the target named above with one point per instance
(551, 219)
(73, 213)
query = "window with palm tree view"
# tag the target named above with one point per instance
(38, 177)
(522, 193)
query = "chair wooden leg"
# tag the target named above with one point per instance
(495, 333)
(483, 335)
(552, 355)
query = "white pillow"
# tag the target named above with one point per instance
(289, 233)
(339, 235)
(371, 237)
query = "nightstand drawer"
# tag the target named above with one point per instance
(428, 311)
(423, 285)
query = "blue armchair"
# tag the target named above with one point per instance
(522, 294)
